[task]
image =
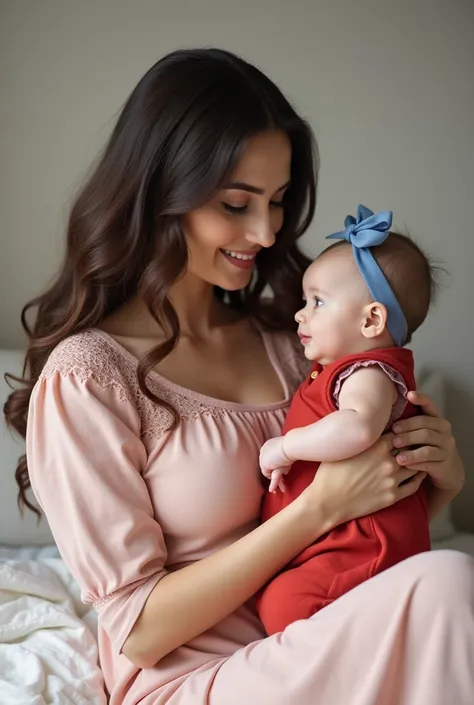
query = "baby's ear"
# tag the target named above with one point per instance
(374, 320)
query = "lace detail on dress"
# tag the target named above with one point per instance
(86, 356)
(90, 356)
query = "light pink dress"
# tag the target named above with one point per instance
(128, 502)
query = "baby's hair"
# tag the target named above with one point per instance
(414, 278)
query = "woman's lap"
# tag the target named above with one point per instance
(405, 637)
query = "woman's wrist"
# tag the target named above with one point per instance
(438, 499)
(189, 601)
(316, 518)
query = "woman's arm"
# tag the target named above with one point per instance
(438, 499)
(189, 601)
(436, 454)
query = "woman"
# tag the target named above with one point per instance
(148, 471)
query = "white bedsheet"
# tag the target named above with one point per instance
(48, 650)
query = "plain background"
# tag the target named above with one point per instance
(388, 87)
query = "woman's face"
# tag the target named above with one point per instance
(225, 235)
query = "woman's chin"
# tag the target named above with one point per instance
(235, 288)
(234, 283)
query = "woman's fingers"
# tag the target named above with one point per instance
(425, 437)
(411, 486)
(416, 423)
(423, 454)
(426, 403)
(384, 446)
(429, 468)
(404, 475)
(422, 436)
(396, 481)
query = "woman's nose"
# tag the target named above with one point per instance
(261, 233)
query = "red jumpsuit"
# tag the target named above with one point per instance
(355, 551)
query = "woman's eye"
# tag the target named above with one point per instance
(235, 210)
(240, 210)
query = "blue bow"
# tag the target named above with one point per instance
(368, 230)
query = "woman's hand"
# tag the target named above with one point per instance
(436, 453)
(372, 480)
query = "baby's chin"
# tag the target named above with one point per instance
(318, 356)
(313, 355)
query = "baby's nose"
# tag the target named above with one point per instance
(299, 315)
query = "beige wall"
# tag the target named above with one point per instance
(388, 87)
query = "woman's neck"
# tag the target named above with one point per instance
(199, 313)
(199, 310)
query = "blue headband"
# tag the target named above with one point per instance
(368, 231)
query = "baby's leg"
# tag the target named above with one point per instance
(349, 555)
(295, 594)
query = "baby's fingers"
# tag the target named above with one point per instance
(276, 480)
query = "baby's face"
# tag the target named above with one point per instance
(335, 295)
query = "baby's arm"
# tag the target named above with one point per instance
(365, 404)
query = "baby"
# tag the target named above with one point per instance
(364, 297)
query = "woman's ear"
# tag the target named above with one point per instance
(374, 320)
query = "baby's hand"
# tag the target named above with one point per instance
(274, 463)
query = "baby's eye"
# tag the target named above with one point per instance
(317, 302)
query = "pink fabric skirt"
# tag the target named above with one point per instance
(404, 637)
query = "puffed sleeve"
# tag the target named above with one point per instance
(85, 460)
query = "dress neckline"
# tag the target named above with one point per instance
(203, 398)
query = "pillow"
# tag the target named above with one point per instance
(442, 526)
(15, 530)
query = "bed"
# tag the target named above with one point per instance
(48, 648)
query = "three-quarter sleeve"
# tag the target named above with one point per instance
(86, 463)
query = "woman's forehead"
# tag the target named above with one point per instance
(265, 162)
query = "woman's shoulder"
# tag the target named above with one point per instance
(93, 357)
(90, 356)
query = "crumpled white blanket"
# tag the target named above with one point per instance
(48, 650)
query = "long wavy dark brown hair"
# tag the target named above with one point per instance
(176, 142)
